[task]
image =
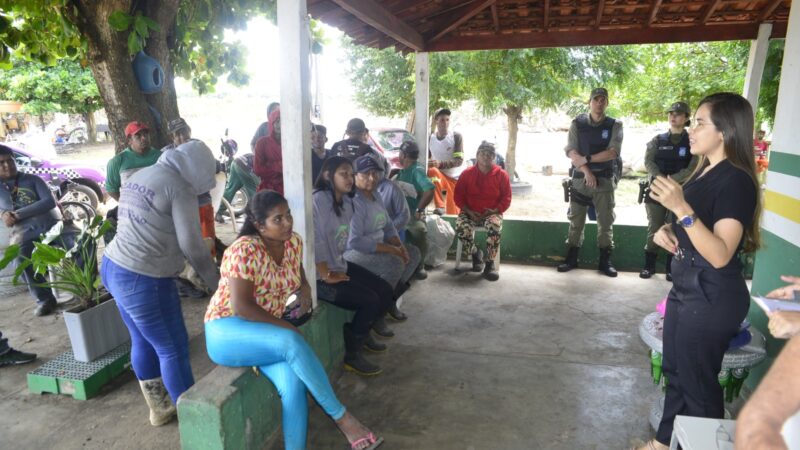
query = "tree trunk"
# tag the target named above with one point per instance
(111, 64)
(513, 114)
(91, 127)
(410, 121)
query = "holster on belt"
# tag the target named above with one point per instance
(644, 190)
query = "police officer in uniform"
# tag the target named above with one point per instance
(667, 154)
(594, 146)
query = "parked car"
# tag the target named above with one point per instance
(72, 182)
(388, 141)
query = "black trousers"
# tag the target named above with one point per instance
(365, 293)
(704, 310)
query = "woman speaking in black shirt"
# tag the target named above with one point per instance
(717, 216)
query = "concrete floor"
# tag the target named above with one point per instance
(537, 360)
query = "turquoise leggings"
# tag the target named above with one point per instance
(286, 359)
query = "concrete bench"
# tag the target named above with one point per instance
(237, 408)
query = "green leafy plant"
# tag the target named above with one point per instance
(139, 24)
(81, 280)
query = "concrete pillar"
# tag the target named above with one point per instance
(755, 65)
(780, 224)
(421, 98)
(293, 32)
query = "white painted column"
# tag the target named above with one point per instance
(421, 98)
(296, 123)
(755, 65)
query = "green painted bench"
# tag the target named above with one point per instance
(237, 408)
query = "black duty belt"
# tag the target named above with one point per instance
(607, 173)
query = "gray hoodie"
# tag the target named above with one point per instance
(158, 220)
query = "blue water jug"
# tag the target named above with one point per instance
(148, 73)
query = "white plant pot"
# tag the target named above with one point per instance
(95, 331)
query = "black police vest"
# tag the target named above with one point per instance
(593, 140)
(672, 158)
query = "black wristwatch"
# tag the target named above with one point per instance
(588, 159)
(421, 211)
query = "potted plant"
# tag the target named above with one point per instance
(94, 325)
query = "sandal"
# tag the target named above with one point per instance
(649, 445)
(376, 442)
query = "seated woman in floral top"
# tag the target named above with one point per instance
(243, 324)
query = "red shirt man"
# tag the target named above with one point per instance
(483, 193)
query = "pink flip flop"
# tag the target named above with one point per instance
(369, 438)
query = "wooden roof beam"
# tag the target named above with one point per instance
(654, 12)
(496, 18)
(769, 10)
(692, 33)
(378, 17)
(546, 23)
(473, 10)
(600, 5)
(710, 11)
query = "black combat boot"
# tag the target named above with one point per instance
(354, 360)
(649, 265)
(605, 267)
(477, 260)
(490, 271)
(669, 267)
(572, 260)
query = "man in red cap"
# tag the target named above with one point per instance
(137, 155)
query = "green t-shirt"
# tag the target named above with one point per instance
(125, 164)
(415, 176)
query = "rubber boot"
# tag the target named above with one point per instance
(395, 314)
(571, 261)
(381, 329)
(649, 265)
(490, 271)
(605, 267)
(161, 408)
(354, 360)
(373, 345)
(669, 267)
(477, 260)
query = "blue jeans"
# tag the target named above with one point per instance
(43, 295)
(286, 359)
(151, 309)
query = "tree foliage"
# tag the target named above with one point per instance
(666, 73)
(383, 80)
(45, 31)
(768, 97)
(64, 87)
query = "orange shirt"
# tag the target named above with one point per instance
(248, 259)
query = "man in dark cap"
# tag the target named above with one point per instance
(594, 146)
(356, 144)
(179, 131)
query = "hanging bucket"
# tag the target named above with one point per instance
(148, 73)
